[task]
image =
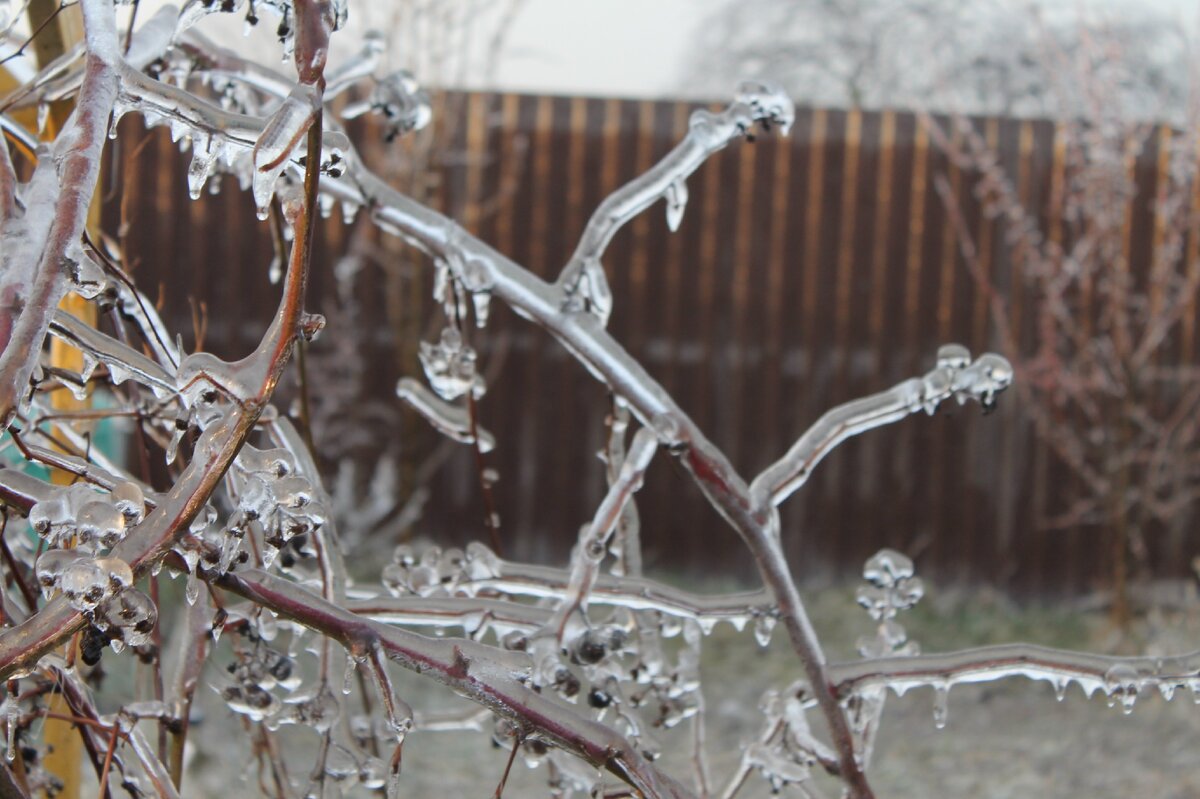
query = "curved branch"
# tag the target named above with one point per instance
(954, 376)
(707, 133)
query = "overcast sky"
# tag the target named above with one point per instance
(638, 48)
(628, 48)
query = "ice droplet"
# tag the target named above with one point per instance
(677, 197)
(1121, 683)
(763, 626)
(1060, 689)
(191, 590)
(348, 677)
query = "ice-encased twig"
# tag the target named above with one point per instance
(634, 593)
(121, 359)
(448, 419)
(594, 538)
(1060, 667)
(954, 376)
(78, 696)
(583, 278)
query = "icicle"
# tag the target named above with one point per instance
(12, 717)
(481, 300)
(201, 166)
(348, 677)
(192, 588)
(677, 197)
(941, 706)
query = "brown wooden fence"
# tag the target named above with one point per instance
(807, 271)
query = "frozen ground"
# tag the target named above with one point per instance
(1008, 739)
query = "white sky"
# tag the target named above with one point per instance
(626, 48)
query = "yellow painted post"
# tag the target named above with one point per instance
(62, 739)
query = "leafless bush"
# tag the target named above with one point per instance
(566, 666)
(1102, 345)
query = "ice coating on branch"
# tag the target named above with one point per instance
(582, 280)
(954, 376)
(450, 366)
(281, 139)
(449, 420)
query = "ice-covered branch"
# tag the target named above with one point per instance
(954, 376)
(593, 538)
(582, 279)
(448, 419)
(490, 573)
(1119, 678)
(123, 361)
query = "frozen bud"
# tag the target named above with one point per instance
(293, 492)
(130, 609)
(85, 584)
(395, 579)
(590, 648)
(481, 562)
(886, 567)
(424, 580)
(953, 356)
(250, 700)
(403, 555)
(275, 462)
(100, 522)
(50, 568)
(450, 366)
(431, 556)
(130, 501)
(451, 563)
(45, 514)
(120, 576)
(318, 711)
